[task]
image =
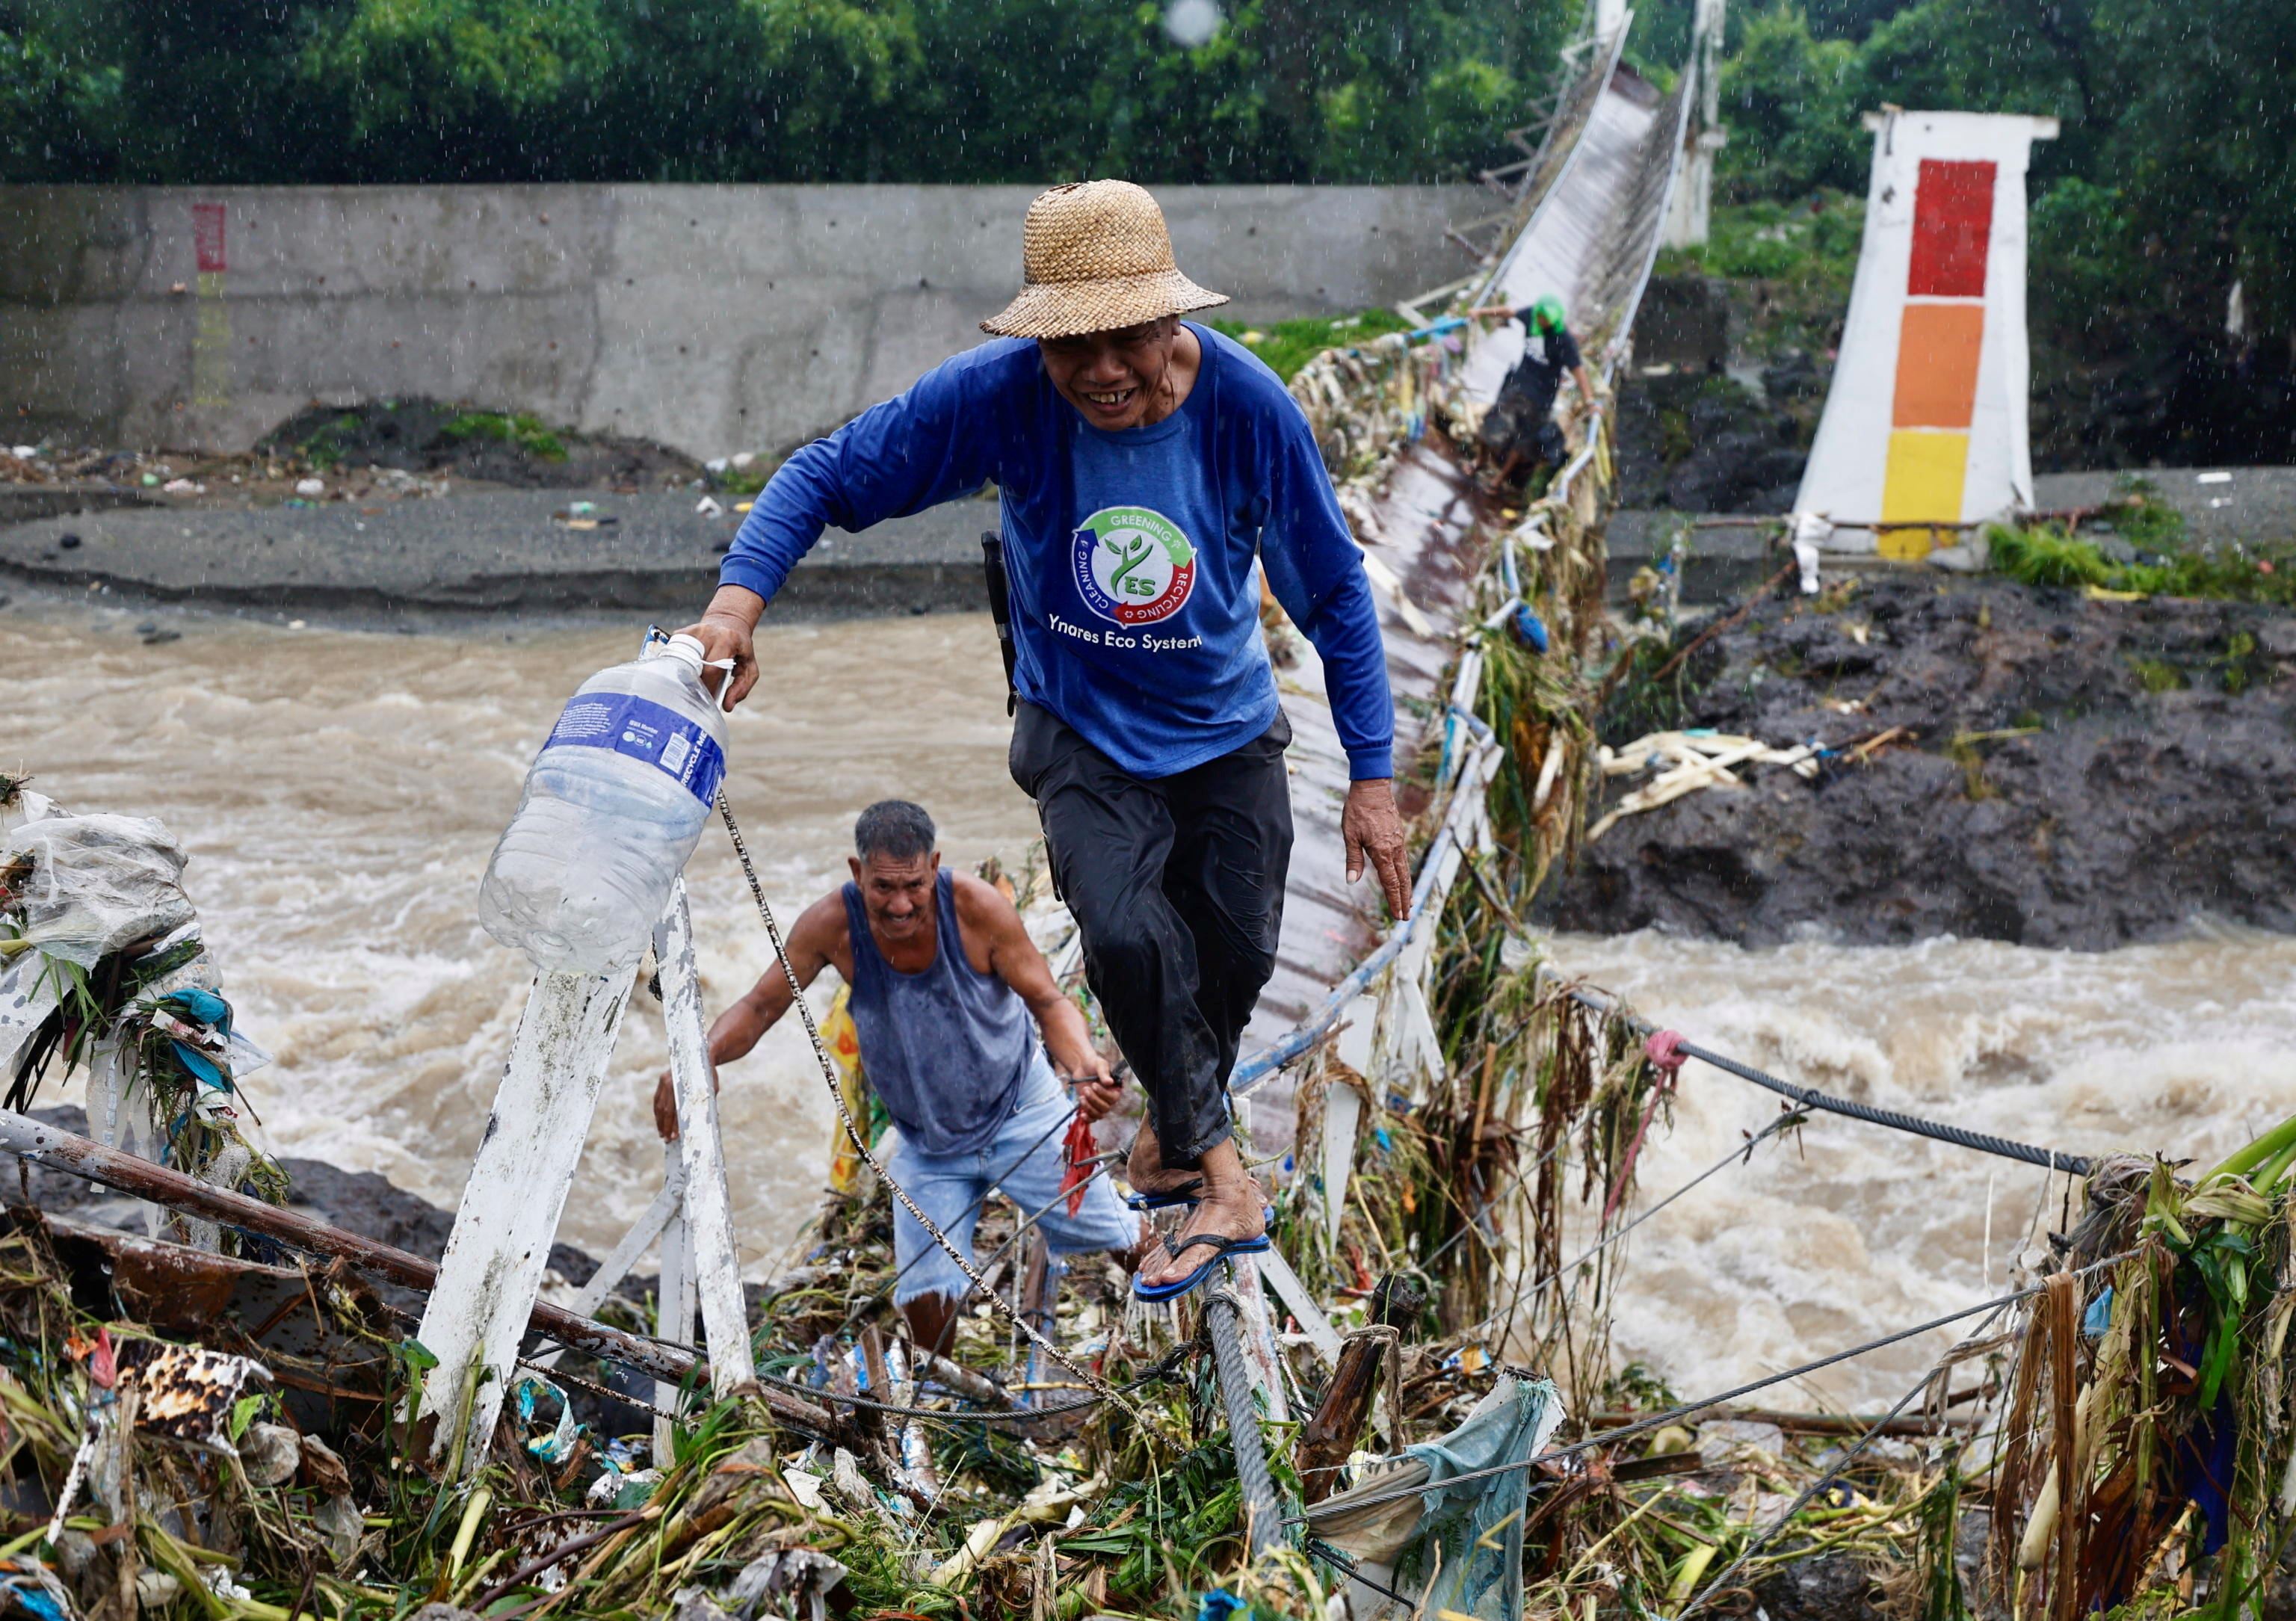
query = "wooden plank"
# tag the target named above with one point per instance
(491, 1275)
(1343, 1107)
(1329, 1436)
(674, 1303)
(708, 1208)
(650, 1225)
(1260, 1342)
(1280, 1277)
(62, 1151)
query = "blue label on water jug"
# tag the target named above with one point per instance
(645, 731)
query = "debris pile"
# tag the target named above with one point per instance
(103, 969)
(1427, 1353)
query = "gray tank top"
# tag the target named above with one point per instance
(946, 1048)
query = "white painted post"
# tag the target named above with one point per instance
(1689, 210)
(1259, 1339)
(634, 1243)
(1342, 1119)
(1276, 1272)
(708, 1208)
(1358, 1027)
(673, 1305)
(492, 1270)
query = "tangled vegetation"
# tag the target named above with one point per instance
(1286, 346)
(2051, 554)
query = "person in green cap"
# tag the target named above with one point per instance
(1519, 427)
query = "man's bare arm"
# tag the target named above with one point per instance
(1013, 958)
(812, 941)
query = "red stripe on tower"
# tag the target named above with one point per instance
(1953, 225)
(207, 237)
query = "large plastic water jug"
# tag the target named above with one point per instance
(613, 805)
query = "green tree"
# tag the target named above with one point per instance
(455, 89)
(1791, 103)
(58, 100)
(2204, 147)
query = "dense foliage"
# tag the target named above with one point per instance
(2174, 177)
(2174, 174)
(793, 90)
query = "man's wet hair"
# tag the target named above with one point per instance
(893, 828)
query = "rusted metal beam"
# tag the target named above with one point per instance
(63, 1150)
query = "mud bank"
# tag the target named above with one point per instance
(2070, 772)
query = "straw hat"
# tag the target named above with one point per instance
(1095, 257)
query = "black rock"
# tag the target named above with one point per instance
(2079, 775)
(1831, 1587)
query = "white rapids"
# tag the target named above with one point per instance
(338, 793)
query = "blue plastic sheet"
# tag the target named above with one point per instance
(1477, 1527)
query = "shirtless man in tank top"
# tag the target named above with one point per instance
(948, 996)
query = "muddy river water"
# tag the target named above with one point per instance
(339, 793)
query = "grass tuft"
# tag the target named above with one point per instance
(1286, 346)
(529, 433)
(2046, 554)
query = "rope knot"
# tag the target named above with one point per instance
(1664, 1050)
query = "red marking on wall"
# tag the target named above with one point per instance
(1953, 226)
(207, 233)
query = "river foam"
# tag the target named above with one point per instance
(339, 793)
(1845, 1230)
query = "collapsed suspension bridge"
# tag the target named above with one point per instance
(1490, 617)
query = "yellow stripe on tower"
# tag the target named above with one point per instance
(1922, 481)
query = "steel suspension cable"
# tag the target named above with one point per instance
(1983, 1143)
(1657, 1421)
(1744, 1151)
(1849, 1455)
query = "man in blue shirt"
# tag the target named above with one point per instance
(1149, 471)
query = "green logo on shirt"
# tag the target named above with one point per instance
(1133, 565)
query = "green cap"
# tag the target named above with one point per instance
(1546, 313)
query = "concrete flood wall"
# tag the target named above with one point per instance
(710, 318)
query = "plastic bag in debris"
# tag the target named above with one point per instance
(1477, 1525)
(31, 1588)
(798, 1575)
(1811, 531)
(98, 882)
(207, 1045)
(555, 1446)
(28, 995)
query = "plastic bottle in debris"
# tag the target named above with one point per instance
(614, 804)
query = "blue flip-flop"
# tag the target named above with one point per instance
(1189, 1193)
(1222, 1250)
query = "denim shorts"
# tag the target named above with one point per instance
(1027, 1158)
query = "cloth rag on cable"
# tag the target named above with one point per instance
(1476, 1527)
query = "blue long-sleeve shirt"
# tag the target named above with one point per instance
(1129, 555)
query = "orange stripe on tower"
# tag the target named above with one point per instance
(1938, 348)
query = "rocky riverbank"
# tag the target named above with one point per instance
(2040, 765)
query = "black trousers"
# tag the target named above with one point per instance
(1523, 425)
(1177, 886)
